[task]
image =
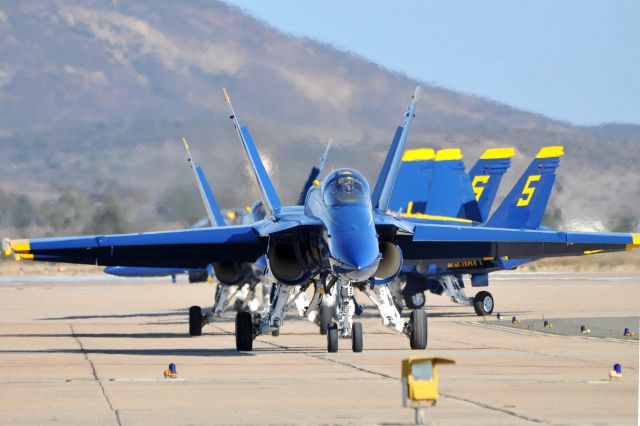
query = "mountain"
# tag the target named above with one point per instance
(102, 91)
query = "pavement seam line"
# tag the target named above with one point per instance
(386, 376)
(543, 333)
(491, 407)
(536, 334)
(95, 375)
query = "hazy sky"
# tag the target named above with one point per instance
(573, 60)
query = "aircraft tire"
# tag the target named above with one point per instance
(418, 335)
(483, 303)
(244, 332)
(332, 337)
(275, 332)
(325, 319)
(416, 300)
(195, 321)
(356, 337)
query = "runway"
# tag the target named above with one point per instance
(83, 351)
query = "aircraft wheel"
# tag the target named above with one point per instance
(244, 331)
(418, 336)
(275, 332)
(356, 337)
(416, 300)
(195, 321)
(325, 318)
(332, 337)
(483, 303)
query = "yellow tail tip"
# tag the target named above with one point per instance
(418, 154)
(551, 151)
(226, 96)
(449, 154)
(498, 153)
(186, 145)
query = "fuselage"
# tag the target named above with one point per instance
(343, 205)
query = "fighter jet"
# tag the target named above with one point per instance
(343, 230)
(446, 278)
(436, 184)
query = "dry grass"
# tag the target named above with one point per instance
(12, 268)
(623, 262)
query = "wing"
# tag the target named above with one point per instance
(190, 248)
(451, 243)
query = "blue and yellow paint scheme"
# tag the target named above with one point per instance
(343, 229)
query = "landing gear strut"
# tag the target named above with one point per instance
(415, 328)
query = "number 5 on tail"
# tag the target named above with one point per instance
(528, 191)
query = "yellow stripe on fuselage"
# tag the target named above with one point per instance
(429, 217)
(551, 151)
(21, 246)
(592, 251)
(449, 154)
(498, 153)
(418, 154)
(635, 242)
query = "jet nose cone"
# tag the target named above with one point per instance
(356, 269)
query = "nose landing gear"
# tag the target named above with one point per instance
(345, 328)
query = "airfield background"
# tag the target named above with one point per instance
(94, 98)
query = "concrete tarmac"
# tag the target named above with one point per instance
(83, 352)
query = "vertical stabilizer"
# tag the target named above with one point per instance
(267, 190)
(210, 204)
(382, 192)
(486, 176)
(451, 194)
(314, 174)
(413, 181)
(525, 205)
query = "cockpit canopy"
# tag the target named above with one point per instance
(345, 187)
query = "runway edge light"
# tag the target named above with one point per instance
(616, 373)
(420, 382)
(171, 372)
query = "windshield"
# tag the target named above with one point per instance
(346, 190)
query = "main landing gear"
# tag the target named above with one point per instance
(249, 326)
(415, 328)
(482, 302)
(224, 294)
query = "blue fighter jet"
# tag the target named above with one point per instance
(435, 185)
(446, 278)
(342, 230)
